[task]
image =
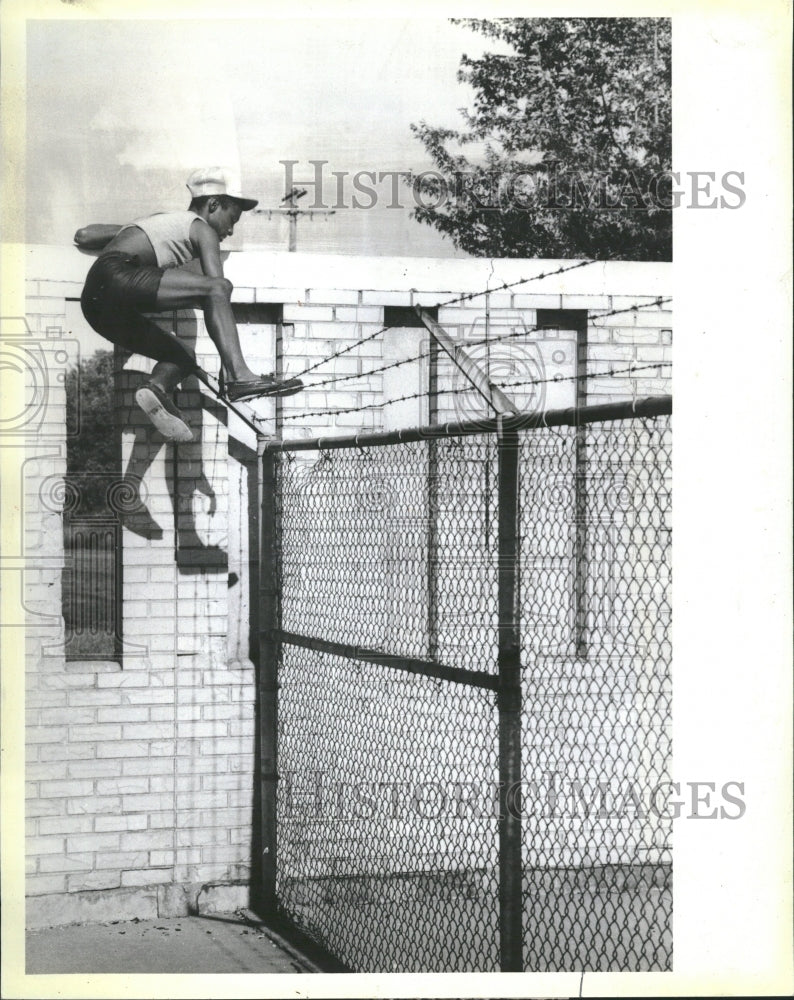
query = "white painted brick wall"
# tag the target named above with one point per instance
(142, 774)
(102, 745)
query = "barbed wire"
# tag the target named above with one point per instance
(534, 329)
(513, 284)
(452, 391)
(341, 351)
(588, 375)
(448, 302)
(335, 379)
(639, 305)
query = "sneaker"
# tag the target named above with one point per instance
(162, 412)
(266, 385)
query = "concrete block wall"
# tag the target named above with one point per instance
(141, 772)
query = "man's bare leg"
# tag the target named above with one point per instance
(181, 289)
(167, 375)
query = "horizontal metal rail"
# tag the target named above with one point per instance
(572, 416)
(409, 664)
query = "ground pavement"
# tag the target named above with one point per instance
(202, 944)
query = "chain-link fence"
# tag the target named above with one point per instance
(467, 679)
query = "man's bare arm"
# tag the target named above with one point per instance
(95, 236)
(208, 248)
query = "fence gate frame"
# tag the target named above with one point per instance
(506, 683)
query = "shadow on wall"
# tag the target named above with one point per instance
(186, 474)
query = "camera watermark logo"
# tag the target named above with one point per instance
(26, 377)
(503, 363)
(32, 365)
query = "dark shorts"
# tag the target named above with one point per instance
(117, 291)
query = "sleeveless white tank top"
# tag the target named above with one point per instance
(169, 234)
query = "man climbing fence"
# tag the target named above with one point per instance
(141, 269)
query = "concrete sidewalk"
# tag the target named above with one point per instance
(201, 944)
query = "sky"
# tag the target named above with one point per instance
(120, 112)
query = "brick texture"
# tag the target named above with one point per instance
(141, 772)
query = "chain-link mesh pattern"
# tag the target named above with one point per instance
(465, 515)
(354, 545)
(387, 822)
(387, 809)
(382, 854)
(596, 696)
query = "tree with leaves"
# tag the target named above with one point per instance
(93, 458)
(574, 128)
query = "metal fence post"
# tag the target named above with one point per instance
(268, 670)
(580, 495)
(432, 506)
(511, 944)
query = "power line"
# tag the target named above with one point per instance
(292, 212)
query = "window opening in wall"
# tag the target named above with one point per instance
(260, 326)
(94, 503)
(406, 316)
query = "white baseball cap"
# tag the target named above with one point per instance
(218, 180)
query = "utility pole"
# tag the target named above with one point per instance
(290, 200)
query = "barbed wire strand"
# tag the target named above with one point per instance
(637, 306)
(335, 379)
(573, 378)
(439, 305)
(340, 352)
(512, 284)
(443, 392)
